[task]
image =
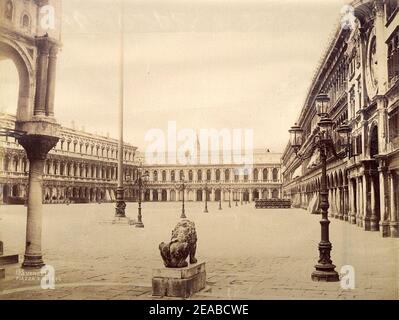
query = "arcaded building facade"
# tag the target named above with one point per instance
(81, 168)
(261, 180)
(360, 73)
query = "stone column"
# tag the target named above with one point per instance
(52, 63)
(346, 203)
(359, 201)
(341, 203)
(374, 223)
(366, 201)
(42, 44)
(36, 148)
(384, 201)
(394, 225)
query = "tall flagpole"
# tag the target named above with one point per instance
(120, 203)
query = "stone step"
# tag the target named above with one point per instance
(8, 259)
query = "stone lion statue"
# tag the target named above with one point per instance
(182, 244)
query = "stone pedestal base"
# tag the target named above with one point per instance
(179, 282)
(367, 224)
(8, 259)
(124, 220)
(394, 226)
(384, 229)
(2, 273)
(120, 221)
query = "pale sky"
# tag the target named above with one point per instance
(203, 63)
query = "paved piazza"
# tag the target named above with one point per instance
(96, 260)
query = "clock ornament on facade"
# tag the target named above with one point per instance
(372, 66)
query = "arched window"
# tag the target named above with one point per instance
(155, 175)
(275, 174)
(172, 175)
(208, 175)
(190, 175)
(246, 174)
(227, 174)
(181, 175)
(9, 10)
(217, 175)
(256, 174)
(236, 175)
(199, 175)
(265, 174)
(163, 175)
(25, 22)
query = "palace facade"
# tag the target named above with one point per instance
(227, 181)
(360, 73)
(81, 168)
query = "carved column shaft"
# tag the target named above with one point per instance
(51, 74)
(37, 148)
(41, 76)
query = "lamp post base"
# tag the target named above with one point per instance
(139, 225)
(325, 273)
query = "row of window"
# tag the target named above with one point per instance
(93, 150)
(208, 175)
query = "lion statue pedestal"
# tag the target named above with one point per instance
(178, 278)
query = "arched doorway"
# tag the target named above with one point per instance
(245, 196)
(16, 65)
(172, 195)
(154, 195)
(164, 195)
(199, 195)
(6, 193)
(218, 195)
(255, 194)
(275, 194)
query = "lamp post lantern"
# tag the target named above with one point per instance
(322, 140)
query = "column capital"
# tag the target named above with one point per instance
(43, 45)
(37, 146)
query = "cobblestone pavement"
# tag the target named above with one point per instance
(249, 254)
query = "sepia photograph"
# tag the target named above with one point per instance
(171, 151)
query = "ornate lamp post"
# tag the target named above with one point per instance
(183, 211)
(323, 141)
(236, 198)
(220, 196)
(206, 198)
(141, 179)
